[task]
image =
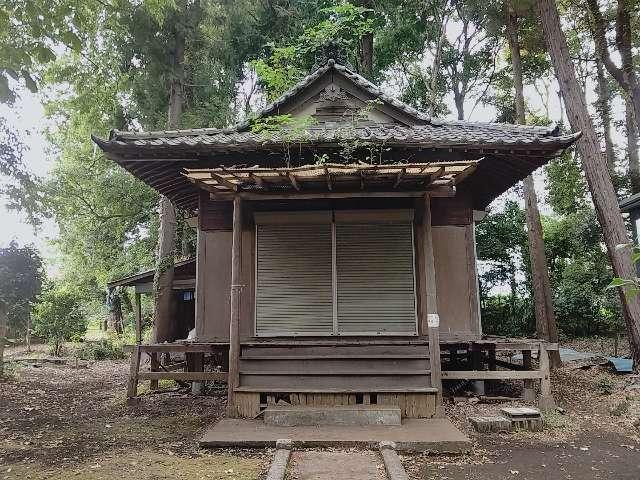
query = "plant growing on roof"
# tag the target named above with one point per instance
(285, 129)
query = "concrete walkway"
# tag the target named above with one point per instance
(327, 465)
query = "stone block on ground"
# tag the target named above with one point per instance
(524, 418)
(491, 424)
(292, 416)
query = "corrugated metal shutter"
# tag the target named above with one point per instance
(294, 279)
(375, 278)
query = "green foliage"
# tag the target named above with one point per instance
(57, 316)
(566, 185)
(279, 71)
(21, 277)
(343, 26)
(104, 349)
(29, 32)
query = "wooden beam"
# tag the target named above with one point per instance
(546, 401)
(236, 293)
(134, 366)
(491, 374)
(183, 376)
(433, 192)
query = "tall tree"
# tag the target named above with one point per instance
(625, 75)
(594, 165)
(163, 278)
(545, 317)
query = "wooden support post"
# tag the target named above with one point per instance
(546, 401)
(529, 391)
(477, 365)
(197, 365)
(234, 324)
(138, 314)
(433, 320)
(134, 367)
(155, 366)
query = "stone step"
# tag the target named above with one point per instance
(294, 415)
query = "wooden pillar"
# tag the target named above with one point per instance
(529, 391)
(234, 324)
(134, 367)
(433, 320)
(546, 401)
(138, 314)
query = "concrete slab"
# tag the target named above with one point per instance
(414, 435)
(295, 415)
(314, 465)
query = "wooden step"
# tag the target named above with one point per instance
(337, 365)
(307, 389)
(334, 372)
(335, 357)
(327, 350)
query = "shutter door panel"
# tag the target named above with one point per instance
(294, 280)
(375, 278)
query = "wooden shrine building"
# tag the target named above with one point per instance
(336, 248)
(182, 297)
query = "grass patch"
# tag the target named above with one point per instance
(145, 465)
(554, 420)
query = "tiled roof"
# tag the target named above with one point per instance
(426, 132)
(433, 134)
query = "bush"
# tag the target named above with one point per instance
(57, 317)
(105, 349)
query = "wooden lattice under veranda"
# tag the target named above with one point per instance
(331, 177)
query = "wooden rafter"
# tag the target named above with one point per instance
(328, 177)
(294, 181)
(224, 181)
(336, 178)
(399, 177)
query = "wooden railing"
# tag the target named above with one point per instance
(192, 368)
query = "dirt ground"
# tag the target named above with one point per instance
(595, 434)
(60, 422)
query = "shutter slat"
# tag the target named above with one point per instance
(294, 280)
(375, 275)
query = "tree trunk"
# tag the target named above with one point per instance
(595, 167)
(632, 147)
(3, 332)
(543, 299)
(366, 47)
(163, 278)
(435, 68)
(603, 107)
(625, 76)
(115, 322)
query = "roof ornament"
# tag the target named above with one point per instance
(330, 53)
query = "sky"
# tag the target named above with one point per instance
(27, 117)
